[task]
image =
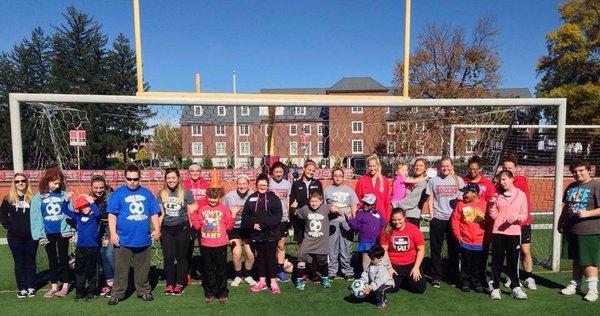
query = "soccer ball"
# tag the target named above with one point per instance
(288, 267)
(357, 288)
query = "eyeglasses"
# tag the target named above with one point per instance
(20, 181)
(132, 179)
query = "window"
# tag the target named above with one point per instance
(196, 130)
(197, 110)
(320, 148)
(391, 147)
(357, 146)
(197, 149)
(293, 148)
(391, 128)
(306, 148)
(221, 148)
(220, 130)
(245, 110)
(244, 130)
(306, 129)
(320, 129)
(245, 148)
(420, 147)
(387, 110)
(470, 147)
(221, 110)
(293, 130)
(300, 110)
(264, 110)
(357, 109)
(357, 127)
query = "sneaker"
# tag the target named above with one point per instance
(259, 286)
(382, 305)
(465, 288)
(495, 295)
(490, 286)
(50, 293)
(480, 289)
(105, 290)
(435, 284)
(250, 281)
(530, 283)
(282, 277)
(178, 289)
(22, 294)
(223, 299)
(236, 281)
(569, 289)
(332, 278)
(30, 292)
(508, 283)
(63, 292)
(146, 297)
(168, 289)
(275, 288)
(113, 301)
(591, 296)
(315, 279)
(326, 282)
(300, 284)
(91, 297)
(349, 277)
(518, 293)
(209, 299)
(109, 294)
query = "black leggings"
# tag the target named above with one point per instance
(175, 242)
(319, 263)
(23, 252)
(506, 246)
(265, 258)
(57, 250)
(214, 276)
(403, 279)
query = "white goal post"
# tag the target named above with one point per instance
(229, 99)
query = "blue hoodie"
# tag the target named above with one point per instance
(47, 214)
(87, 226)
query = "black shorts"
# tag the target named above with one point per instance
(285, 227)
(526, 234)
(234, 233)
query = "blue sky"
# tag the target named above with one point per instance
(275, 44)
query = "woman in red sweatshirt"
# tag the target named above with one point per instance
(375, 183)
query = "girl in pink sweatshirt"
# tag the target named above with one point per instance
(507, 209)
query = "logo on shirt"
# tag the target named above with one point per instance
(281, 193)
(315, 225)
(53, 208)
(577, 198)
(446, 190)
(401, 243)
(471, 214)
(199, 194)
(211, 224)
(136, 207)
(339, 199)
(172, 206)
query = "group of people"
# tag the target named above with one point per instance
(471, 214)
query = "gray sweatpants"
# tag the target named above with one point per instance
(139, 258)
(340, 242)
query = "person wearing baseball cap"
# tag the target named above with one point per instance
(368, 223)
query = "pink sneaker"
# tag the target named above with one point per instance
(50, 293)
(275, 288)
(260, 286)
(63, 291)
(105, 290)
(168, 289)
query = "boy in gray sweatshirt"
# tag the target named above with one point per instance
(378, 279)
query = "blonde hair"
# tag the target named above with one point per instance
(164, 192)
(378, 173)
(13, 195)
(399, 165)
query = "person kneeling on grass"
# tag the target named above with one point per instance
(214, 220)
(376, 276)
(468, 224)
(315, 244)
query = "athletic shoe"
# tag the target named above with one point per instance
(480, 289)
(465, 288)
(260, 286)
(490, 286)
(79, 297)
(50, 293)
(168, 289)
(518, 293)
(569, 289)
(113, 301)
(275, 288)
(209, 299)
(223, 299)
(495, 295)
(178, 289)
(435, 283)
(508, 283)
(146, 297)
(105, 290)
(326, 282)
(382, 305)
(349, 277)
(250, 281)
(30, 292)
(332, 278)
(22, 294)
(282, 277)
(591, 296)
(300, 284)
(236, 281)
(315, 278)
(530, 283)
(91, 297)
(63, 292)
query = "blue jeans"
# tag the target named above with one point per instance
(108, 260)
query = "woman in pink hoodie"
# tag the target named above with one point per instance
(507, 209)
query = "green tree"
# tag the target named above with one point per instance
(167, 142)
(207, 163)
(571, 69)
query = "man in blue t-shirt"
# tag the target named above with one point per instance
(131, 208)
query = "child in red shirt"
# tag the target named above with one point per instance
(214, 220)
(468, 224)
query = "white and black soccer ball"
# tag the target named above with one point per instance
(357, 288)
(136, 208)
(53, 209)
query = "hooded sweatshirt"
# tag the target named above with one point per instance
(468, 224)
(381, 189)
(509, 212)
(213, 223)
(521, 183)
(377, 275)
(263, 209)
(368, 224)
(15, 218)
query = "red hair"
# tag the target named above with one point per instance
(51, 174)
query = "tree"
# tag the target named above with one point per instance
(207, 163)
(167, 142)
(571, 69)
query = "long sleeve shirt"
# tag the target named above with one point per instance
(509, 212)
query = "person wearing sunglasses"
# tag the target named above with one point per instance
(14, 216)
(131, 209)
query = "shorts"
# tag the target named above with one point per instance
(526, 234)
(569, 246)
(285, 229)
(235, 233)
(584, 248)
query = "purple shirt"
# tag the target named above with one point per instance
(368, 224)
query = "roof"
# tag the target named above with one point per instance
(509, 93)
(357, 84)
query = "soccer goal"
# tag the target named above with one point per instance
(244, 133)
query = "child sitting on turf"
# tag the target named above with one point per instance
(315, 244)
(377, 278)
(214, 220)
(368, 222)
(468, 223)
(87, 249)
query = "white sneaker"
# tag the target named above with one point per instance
(569, 290)
(507, 283)
(530, 283)
(591, 296)
(490, 286)
(495, 295)
(518, 293)
(236, 281)
(250, 281)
